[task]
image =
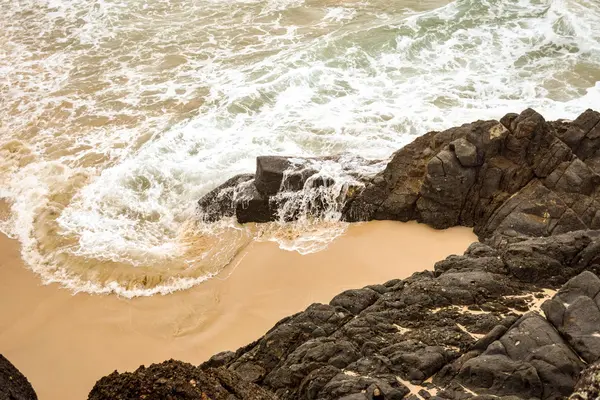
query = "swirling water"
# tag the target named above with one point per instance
(116, 116)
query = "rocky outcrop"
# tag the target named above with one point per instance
(475, 326)
(466, 325)
(176, 380)
(510, 177)
(470, 327)
(13, 385)
(518, 176)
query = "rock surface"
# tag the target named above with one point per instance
(13, 385)
(474, 327)
(176, 380)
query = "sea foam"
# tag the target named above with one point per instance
(117, 116)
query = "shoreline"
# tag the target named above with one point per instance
(63, 343)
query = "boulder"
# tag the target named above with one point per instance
(253, 206)
(466, 152)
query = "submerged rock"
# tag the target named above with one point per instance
(13, 385)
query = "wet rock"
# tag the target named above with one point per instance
(274, 174)
(521, 176)
(219, 202)
(176, 380)
(13, 385)
(252, 206)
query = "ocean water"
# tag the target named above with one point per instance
(116, 116)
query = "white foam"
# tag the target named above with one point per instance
(180, 96)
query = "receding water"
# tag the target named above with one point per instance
(116, 116)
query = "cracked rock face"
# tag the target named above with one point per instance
(487, 324)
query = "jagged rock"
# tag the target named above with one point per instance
(355, 300)
(512, 178)
(13, 385)
(521, 176)
(176, 380)
(466, 152)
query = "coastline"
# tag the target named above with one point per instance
(63, 343)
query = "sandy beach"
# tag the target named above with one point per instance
(63, 343)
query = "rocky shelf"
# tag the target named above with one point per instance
(516, 317)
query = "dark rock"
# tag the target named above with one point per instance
(13, 385)
(313, 354)
(552, 261)
(219, 202)
(466, 152)
(252, 206)
(355, 300)
(530, 360)
(350, 385)
(513, 178)
(274, 174)
(218, 360)
(176, 380)
(575, 314)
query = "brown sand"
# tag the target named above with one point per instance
(64, 343)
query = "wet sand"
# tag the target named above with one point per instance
(63, 343)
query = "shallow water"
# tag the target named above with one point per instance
(117, 115)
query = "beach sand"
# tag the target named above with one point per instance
(64, 343)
